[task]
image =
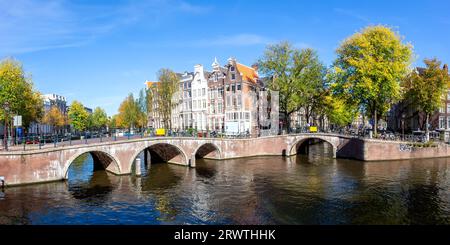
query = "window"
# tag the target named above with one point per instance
(448, 95)
(228, 101)
(442, 122)
(448, 122)
(238, 87)
(247, 116)
(203, 91)
(232, 68)
(204, 104)
(448, 108)
(227, 87)
(194, 105)
(195, 93)
(232, 88)
(239, 100)
(442, 109)
(233, 76)
(219, 107)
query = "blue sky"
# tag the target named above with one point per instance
(99, 51)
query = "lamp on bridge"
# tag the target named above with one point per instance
(403, 126)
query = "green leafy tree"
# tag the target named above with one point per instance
(112, 122)
(426, 88)
(99, 118)
(17, 90)
(338, 112)
(55, 118)
(78, 116)
(130, 114)
(297, 75)
(369, 68)
(167, 86)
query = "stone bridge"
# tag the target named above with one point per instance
(118, 157)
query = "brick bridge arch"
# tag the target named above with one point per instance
(108, 161)
(299, 140)
(165, 151)
(208, 150)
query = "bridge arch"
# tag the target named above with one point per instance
(300, 145)
(208, 150)
(162, 152)
(107, 161)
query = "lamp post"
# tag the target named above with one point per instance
(403, 126)
(5, 134)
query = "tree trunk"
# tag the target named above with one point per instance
(375, 124)
(288, 122)
(427, 131)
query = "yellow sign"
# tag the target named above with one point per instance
(160, 132)
(313, 129)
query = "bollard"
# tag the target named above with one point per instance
(138, 167)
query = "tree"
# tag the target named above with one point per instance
(297, 75)
(426, 87)
(338, 112)
(99, 118)
(369, 68)
(167, 86)
(55, 118)
(17, 89)
(78, 116)
(129, 113)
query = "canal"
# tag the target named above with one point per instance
(306, 189)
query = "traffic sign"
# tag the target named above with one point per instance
(17, 121)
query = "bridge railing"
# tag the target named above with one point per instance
(36, 142)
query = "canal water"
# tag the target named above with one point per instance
(313, 189)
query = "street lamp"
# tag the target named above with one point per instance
(403, 126)
(5, 134)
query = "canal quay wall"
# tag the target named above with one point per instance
(118, 157)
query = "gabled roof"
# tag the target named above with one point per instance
(248, 74)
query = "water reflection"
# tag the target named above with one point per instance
(86, 184)
(309, 189)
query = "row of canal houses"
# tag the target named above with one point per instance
(233, 99)
(226, 99)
